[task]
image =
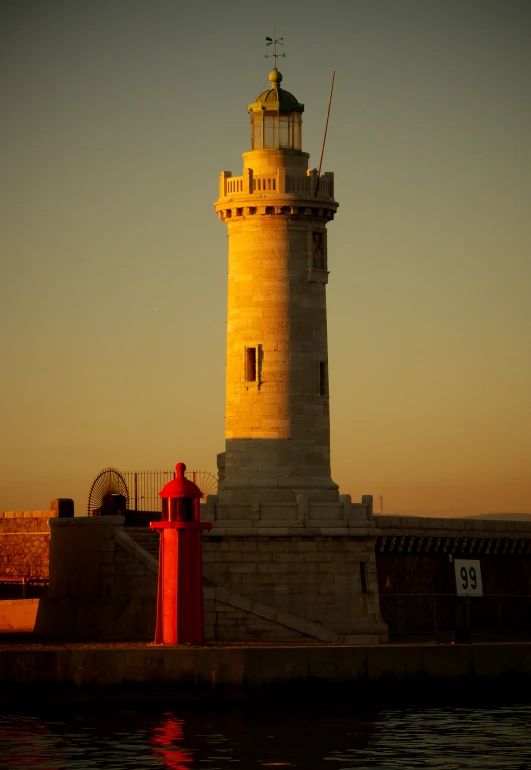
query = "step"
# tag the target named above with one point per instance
(145, 538)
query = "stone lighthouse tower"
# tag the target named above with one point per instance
(287, 558)
(277, 396)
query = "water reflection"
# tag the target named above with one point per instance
(164, 738)
(251, 735)
(26, 744)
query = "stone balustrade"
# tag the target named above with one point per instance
(279, 183)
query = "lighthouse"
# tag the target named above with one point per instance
(277, 431)
(287, 558)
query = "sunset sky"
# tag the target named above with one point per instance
(117, 117)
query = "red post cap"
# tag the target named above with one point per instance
(180, 486)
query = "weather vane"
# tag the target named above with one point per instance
(274, 41)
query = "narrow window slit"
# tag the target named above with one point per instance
(250, 364)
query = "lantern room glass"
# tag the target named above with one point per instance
(272, 130)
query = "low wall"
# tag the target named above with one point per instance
(183, 672)
(18, 615)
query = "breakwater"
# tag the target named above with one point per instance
(148, 670)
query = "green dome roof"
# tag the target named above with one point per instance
(275, 98)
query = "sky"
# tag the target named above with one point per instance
(117, 117)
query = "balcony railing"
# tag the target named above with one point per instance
(309, 185)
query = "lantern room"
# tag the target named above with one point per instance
(180, 498)
(276, 118)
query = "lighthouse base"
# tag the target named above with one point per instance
(292, 571)
(275, 472)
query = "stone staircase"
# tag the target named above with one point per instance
(146, 538)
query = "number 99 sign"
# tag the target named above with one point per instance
(468, 577)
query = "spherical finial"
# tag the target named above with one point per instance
(180, 469)
(275, 78)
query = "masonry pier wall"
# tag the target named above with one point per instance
(356, 672)
(297, 580)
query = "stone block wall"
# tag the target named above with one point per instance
(228, 618)
(135, 571)
(24, 539)
(314, 577)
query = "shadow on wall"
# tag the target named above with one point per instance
(102, 584)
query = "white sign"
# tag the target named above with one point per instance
(468, 577)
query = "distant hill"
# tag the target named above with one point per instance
(500, 516)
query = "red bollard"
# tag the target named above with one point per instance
(180, 591)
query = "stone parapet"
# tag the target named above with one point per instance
(88, 521)
(302, 513)
(18, 515)
(446, 527)
(415, 534)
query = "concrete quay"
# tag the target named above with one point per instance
(105, 671)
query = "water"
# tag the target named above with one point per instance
(249, 735)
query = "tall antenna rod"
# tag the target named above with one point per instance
(326, 129)
(274, 41)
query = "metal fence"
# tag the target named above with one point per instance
(144, 486)
(19, 585)
(444, 613)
